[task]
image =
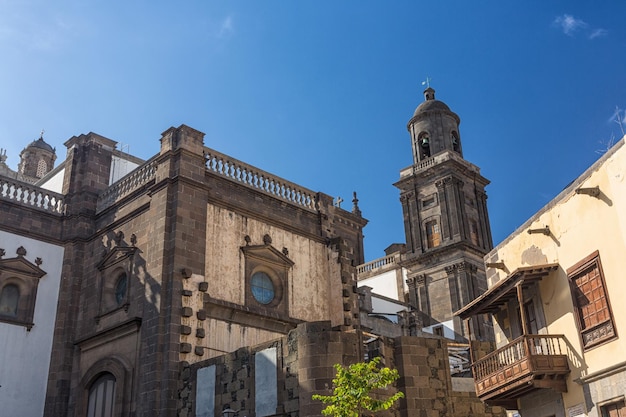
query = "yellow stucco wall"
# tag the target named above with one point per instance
(579, 225)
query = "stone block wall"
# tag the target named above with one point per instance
(304, 366)
(427, 385)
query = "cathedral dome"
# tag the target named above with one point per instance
(41, 144)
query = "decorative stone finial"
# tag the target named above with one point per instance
(355, 204)
(119, 236)
(21, 251)
(267, 240)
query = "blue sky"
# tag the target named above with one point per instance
(320, 92)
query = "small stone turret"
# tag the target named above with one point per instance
(37, 159)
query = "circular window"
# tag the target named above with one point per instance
(262, 287)
(120, 288)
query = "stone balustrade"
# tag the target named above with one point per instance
(31, 195)
(435, 160)
(135, 179)
(250, 176)
(376, 263)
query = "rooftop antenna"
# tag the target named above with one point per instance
(427, 82)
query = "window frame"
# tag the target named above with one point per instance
(25, 276)
(14, 306)
(432, 237)
(578, 271)
(618, 403)
(94, 394)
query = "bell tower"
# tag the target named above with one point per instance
(36, 160)
(446, 223)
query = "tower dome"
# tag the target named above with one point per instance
(37, 159)
(41, 144)
(434, 128)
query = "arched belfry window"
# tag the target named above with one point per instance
(102, 397)
(456, 144)
(9, 300)
(423, 145)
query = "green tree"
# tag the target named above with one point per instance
(353, 386)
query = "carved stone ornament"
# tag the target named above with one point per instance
(119, 236)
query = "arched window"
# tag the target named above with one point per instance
(9, 300)
(102, 397)
(42, 168)
(424, 144)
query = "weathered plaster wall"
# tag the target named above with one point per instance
(309, 288)
(579, 225)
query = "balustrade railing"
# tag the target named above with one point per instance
(520, 349)
(434, 160)
(250, 176)
(135, 179)
(375, 264)
(31, 195)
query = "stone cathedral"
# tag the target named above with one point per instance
(194, 284)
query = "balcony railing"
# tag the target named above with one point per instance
(529, 362)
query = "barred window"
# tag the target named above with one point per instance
(591, 302)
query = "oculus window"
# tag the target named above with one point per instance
(262, 287)
(266, 277)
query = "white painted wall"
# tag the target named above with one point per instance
(448, 329)
(383, 306)
(383, 284)
(120, 167)
(25, 355)
(55, 183)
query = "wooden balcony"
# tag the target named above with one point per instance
(528, 363)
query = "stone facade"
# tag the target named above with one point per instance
(158, 268)
(304, 366)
